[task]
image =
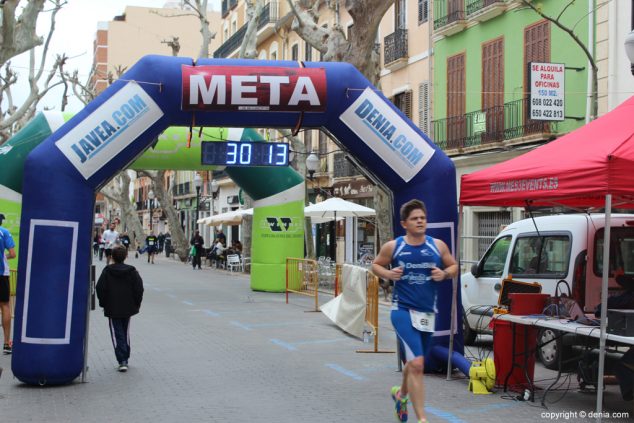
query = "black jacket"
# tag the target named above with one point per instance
(120, 291)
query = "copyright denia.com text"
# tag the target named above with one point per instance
(567, 415)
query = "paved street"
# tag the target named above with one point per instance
(205, 348)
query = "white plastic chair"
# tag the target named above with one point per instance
(234, 262)
(246, 263)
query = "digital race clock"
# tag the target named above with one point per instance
(236, 153)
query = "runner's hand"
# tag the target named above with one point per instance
(439, 275)
(396, 273)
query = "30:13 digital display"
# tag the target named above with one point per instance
(238, 153)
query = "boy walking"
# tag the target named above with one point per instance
(120, 292)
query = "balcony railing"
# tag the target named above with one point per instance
(448, 12)
(269, 15)
(395, 46)
(503, 123)
(474, 6)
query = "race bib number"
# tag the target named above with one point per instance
(150, 242)
(422, 321)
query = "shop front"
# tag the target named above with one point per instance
(356, 238)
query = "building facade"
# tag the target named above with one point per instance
(403, 42)
(482, 79)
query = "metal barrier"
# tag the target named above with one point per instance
(302, 278)
(13, 282)
(372, 311)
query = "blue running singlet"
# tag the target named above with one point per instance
(416, 289)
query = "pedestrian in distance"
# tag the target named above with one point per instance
(418, 264)
(125, 240)
(110, 238)
(95, 243)
(151, 244)
(6, 243)
(197, 242)
(120, 292)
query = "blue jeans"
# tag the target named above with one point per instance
(120, 333)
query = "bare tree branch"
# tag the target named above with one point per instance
(174, 44)
(248, 49)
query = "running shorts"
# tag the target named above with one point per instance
(4, 289)
(414, 343)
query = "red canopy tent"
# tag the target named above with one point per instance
(588, 168)
(577, 170)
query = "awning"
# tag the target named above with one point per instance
(229, 218)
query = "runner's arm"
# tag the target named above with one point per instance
(451, 267)
(383, 259)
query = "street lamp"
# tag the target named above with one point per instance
(198, 182)
(629, 49)
(214, 189)
(150, 196)
(312, 164)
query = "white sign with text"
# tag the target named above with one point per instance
(547, 91)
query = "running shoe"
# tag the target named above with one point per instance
(123, 366)
(6, 349)
(400, 407)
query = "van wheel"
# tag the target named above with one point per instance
(469, 335)
(550, 346)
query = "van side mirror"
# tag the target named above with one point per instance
(475, 270)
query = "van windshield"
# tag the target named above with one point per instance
(494, 260)
(547, 255)
(621, 251)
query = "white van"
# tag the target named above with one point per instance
(546, 250)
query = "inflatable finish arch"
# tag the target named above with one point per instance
(63, 173)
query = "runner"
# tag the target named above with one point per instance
(110, 238)
(151, 243)
(417, 262)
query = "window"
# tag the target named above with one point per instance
(400, 16)
(493, 262)
(234, 24)
(456, 123)
(489, 226)
(404, 102)
(621, 251)
(295, 52)
(456, 85)
(493, 88)
(546, 255)
(536, 45)
(323, 143)
(309, 53)
(343, 167)
(423, 107)
(423, 11)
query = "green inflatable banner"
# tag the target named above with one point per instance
(278, 193)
